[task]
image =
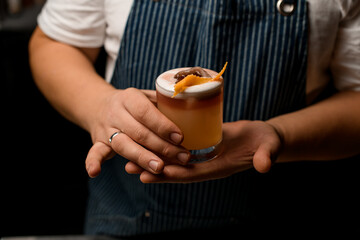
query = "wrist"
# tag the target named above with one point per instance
(278, 127)
(92, 104)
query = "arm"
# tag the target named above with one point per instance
(327, 130)
(67, 78)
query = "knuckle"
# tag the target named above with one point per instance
(128, 91)
(131, 90)
(130, 95)
(116, 143)
(162, 126)
(140, 135)
(141, 160)
(167, 150)
(143, 112)
(173, 174)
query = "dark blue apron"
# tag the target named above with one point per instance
(266, 76)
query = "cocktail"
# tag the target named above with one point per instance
(195, 106)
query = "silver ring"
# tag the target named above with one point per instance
(113, 135)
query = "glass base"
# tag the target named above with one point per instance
(206, 154)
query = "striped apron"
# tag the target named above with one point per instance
(266, 76)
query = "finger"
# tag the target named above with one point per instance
(146, 177)
(126, 147)
(98, 153)
(133, 168)
(151, 95)
(262, 158)
(145, 137)
(209, 170)
(185, 174)
(139, 106)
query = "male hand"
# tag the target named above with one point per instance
(146, 137)
(246, 144)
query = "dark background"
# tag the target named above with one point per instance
(43, 178)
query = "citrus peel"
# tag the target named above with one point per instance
(192, 80)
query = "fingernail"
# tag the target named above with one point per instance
(89, 170)
(154, 165)
(176, 138)
(183, 157)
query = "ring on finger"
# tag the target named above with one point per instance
(113, 135)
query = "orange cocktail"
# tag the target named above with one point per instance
(197, 111)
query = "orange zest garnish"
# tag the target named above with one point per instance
(192, 80)
(188, 81)
(220, 73)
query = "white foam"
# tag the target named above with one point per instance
(165, 84)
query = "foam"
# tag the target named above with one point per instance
(165, 85)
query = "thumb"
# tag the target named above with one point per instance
(262, 158)
(98, 153)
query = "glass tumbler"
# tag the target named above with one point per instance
(198, 112)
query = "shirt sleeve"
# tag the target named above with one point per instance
(345, 65)
(80, 23)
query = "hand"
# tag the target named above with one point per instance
(146, 137)
(246, 144)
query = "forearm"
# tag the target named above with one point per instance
(67, 78)
(326, 130)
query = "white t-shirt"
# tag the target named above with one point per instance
(334, 36)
